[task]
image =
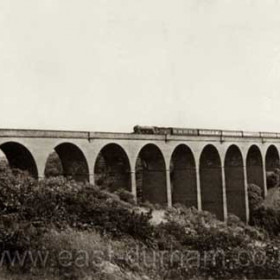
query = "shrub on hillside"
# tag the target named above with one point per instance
(199, 224)
(53, 166)
(15, 188)
(272, 179)
(30, 209)
(189, 230)
(125, 196)
(260, 216)
(267, 219)
(255, 197)
(63, 203)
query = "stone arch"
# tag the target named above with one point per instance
(235, 182)
(271, 158)
(20, 157)
(271, 164)
(254, 165)
(112, 168)
(73, 162)
(183, 176)
(151, 175)
(211, 182)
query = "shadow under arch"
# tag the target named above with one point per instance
(151, 175)
(271, 164)
(211, 184)
(271, 158)
(20, 157)
(183, 176)
(235, 182)
(72, 161)
(254, 166)
(112, 168)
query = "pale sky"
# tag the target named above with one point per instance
(107, 65)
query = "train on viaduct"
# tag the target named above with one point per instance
(207, 169)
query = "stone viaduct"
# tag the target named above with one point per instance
(210, 172)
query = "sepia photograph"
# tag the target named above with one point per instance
(139, 139)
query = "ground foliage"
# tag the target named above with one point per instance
(263, 213)
(57, 214)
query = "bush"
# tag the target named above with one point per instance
(262, 217)
(267, 219)
(63, 203)
(53, 166)
(272, 179)
(125, 196)
(255, 197)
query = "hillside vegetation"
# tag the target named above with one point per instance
(59, 229)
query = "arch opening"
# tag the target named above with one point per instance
(183, 177)
(272, 167)
(211, 181)
(235, 184)
(151, 175)
(254, 163)
(18, 156)
(112, 168)
(67, 160)
(272, 158)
